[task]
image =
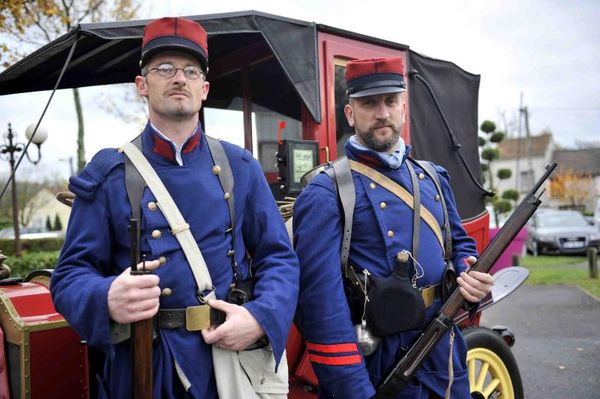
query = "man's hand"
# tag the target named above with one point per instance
(474, 286)
(134, 298)
(239, 330)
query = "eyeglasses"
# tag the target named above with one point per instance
(167, 71)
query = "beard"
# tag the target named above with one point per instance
(384, 144)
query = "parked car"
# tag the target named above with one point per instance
(560, 232)
(597, 215)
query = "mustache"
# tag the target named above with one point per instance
(178, 91)
(383, 124)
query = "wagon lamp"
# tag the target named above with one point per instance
(7, 150)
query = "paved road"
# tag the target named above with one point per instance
(557, 347)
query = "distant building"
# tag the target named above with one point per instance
(45, 205)
(526, 158)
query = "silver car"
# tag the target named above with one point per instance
(560, 232)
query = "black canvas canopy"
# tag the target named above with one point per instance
(443, 125)
(283, 55)
(108, 53)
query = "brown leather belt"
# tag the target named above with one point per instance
(193, 318)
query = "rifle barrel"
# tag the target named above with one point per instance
(142, 332)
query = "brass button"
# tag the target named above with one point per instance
(390, 233)
(437, 197)
(162, 260)
(216, 169)
(152, 206)
(226, 196)
(383, 205)
(156, 234)
(421, 176)
(231, 252)
(166, 292)
(373, 185)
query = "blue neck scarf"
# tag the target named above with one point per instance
(392, 160)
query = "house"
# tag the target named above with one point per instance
(585, 162)
(526, 158)
(44, 205)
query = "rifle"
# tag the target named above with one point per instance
(404, 370)
(141, 331)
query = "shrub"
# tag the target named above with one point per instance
(7, 246)
(22, 266)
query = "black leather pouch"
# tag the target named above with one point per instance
(242, 292)
(448, 280)
(394, 304)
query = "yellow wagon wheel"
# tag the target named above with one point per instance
(493, 370)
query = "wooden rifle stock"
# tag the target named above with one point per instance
(141, 331)
(404, 370)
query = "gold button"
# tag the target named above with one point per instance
(421, 176)
(382, 205)
(390, 233)
(162, 260)
(373, 185)
(156, 234)
(166, 292)
(437, 197)
(216, 169)
(152, 206)
(226, 196)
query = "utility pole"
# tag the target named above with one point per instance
(524, 115)
(518, 156)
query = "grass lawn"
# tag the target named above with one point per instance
(561, 270)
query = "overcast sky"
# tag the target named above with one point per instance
(547, 50)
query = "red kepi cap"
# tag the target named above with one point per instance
(174, 33)
(373, 76)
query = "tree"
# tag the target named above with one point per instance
(57, 223)
(48, 224)
(489, 153)
(29, 24)
(571, 188)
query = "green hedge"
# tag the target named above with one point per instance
(7, 246)
(22, 266)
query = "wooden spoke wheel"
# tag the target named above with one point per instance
(493, 370)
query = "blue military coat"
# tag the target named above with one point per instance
(97, 249)
(382, 227)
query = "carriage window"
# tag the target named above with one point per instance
(225, 124)
(275, 107)
(267, 127)
(343, 130)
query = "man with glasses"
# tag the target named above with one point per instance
(92, 285)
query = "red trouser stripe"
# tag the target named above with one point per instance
(335, 360)
(333, 348)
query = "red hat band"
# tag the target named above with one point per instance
(374, 76)
(175, 34)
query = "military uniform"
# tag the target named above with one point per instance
(382, 227)
(97, 250)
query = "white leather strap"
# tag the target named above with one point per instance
(179, 227)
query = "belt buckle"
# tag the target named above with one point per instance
(197, 318)
(428, 295)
